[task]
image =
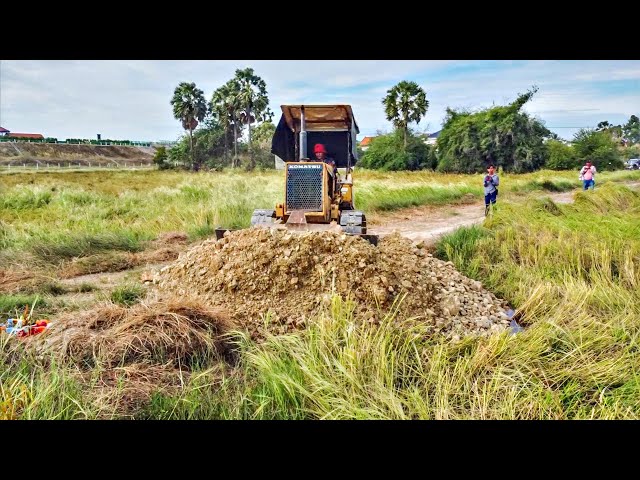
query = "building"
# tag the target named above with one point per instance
(432, 138)
(26, 136)
(4, 132)
(365, 143)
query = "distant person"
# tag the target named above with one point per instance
(491, 182)
(588, 176)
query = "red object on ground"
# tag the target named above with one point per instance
(32, 330)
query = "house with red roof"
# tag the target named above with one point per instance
(35, 136)
(27, 136)
(365, 143)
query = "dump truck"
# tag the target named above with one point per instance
(318, 195)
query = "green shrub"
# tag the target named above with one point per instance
(387, 152)
(560, 156)
(127, 294)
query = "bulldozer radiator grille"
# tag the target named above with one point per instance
(304, 187)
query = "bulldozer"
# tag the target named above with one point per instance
(318, 195)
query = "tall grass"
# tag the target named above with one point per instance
(127, 294)
(30, 391)
(58, 215)
(56, 247)
(571, 271)
(14, 305)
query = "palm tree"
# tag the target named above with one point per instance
(253, 100)
(406, 102)
(190, 108)
(225, 104)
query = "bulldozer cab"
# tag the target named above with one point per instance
(317, 196)
(315, 193)
(301, 127)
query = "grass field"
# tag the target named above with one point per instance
(55, 216)
(573, 272)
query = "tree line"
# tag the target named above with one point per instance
(241, 102)
(504, 135)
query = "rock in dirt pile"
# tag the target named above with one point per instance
(292, 275)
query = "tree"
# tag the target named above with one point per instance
(208, 146)
(226, 107)
(598, 147)
(632, 129)
(404, 103)
(263, 134)
(160, 158)
(190, 108)
(614, 130)
(253, 99)
(262, 137)
(503, 135)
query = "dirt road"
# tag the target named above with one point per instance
(429, 223)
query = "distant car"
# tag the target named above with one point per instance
(633, 164)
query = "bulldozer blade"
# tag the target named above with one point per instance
(297, 218)
(372, 239)
(220, 232)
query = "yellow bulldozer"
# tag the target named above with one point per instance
(318, 192)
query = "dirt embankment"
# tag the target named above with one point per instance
(18, 153)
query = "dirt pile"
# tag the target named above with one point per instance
(253, 271)
(31, 153)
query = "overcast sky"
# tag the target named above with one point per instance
(130, 99)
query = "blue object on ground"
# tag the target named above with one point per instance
(515, 328)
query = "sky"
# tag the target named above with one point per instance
(129, 99)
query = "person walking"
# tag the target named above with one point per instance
(588, 176)
(491, 182)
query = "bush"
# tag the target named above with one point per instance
(631, 152)
(503, 135)
(387, 152)
(560, 156)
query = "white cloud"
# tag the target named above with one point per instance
(130, 99)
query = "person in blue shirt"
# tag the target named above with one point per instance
(491, 182)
